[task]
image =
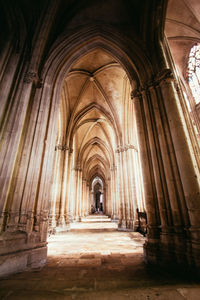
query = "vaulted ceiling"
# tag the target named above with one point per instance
(182, 29)
(92, 116)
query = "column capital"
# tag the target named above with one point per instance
(125, 147)
(78, 167)
(164, 75)
(31, 76)
(136, 94)
(62, 147)
(113, 168)
(119, 149)
(130, 146)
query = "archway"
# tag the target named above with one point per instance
(96, 138)
(163, 173)
(170, 186)
(97, 196)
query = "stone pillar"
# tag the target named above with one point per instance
(117, 196)
(151, 246)
(84, 208)
(184, 158)
(132, 186)
(88, 196)
(80, 200)
(105, 197)
(126, 181)
(59, 199)
(164, 181)
(122, 209)
(92, 200)
(76, 196)
(108, 198)
(69, 202)
(64, 199)
(113, 193)
(52, 213)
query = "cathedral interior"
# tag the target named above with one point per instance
(100, 149)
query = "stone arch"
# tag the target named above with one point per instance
(136, 64)
(78, 117)
(170, 175)
(100, 144)
(93, 177)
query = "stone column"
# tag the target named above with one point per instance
(109, 195)
(113, 194)
(126, 186)
(88, 196)
(52, 214)
(10, 146)
(64, 199)
(60, 200)
(185, 159)
(164, 185)
(84, 201)
(151, 246)
(117, 197)
(76, 196)
(122, 214)
(69, 202)
(105, 197)
(132, 186)
(80, 200)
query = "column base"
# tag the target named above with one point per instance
(171, 257)
(123, 225)
(18, 252)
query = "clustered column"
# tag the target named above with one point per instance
(70, 198)
(126, 187)
(171, 184)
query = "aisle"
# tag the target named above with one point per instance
(95, 261)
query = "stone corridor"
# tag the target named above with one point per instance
(96, 261)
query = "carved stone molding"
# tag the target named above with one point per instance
(31, 77)
(125, 148)
(165, 75)
(61, 147)
(135, 94)
(132, 147)
(113, 168)
(39, 83)
(78, 168)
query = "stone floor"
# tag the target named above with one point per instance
(95, 261)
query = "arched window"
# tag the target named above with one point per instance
(194, 72)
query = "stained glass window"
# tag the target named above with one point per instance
(194, 72)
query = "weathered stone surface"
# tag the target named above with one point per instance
(97, 117)
(92, 265)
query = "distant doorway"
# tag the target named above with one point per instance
(99, 202)
(97, 199)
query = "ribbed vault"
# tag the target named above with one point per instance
(96, 124)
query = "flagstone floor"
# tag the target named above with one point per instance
(95, 261)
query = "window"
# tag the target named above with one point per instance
(194, 72)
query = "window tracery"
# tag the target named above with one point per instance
(194, 72)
